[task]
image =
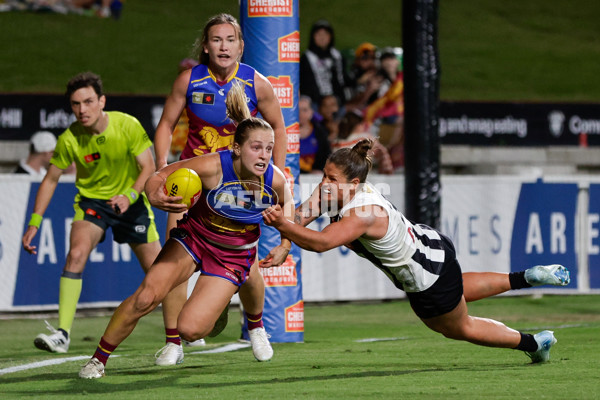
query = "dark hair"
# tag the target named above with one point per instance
(321, 24)
(218, 19)
(348, 123)
(83, 80)
(238, 111)
(354, 162)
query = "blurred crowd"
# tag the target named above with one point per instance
(98, 8)
(346, 99)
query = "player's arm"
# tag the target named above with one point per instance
(354, 224)
(208, 168)
(174, 106)
(268, 106)
(278, 254)
(121, 202)
(42, 199)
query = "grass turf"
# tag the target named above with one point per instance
(331, 364)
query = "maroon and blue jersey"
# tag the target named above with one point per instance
(230, 214)
(210, 130)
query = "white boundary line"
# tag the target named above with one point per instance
(40, 364)
(56, 361)
(223, 349)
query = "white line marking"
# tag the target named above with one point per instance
(223, 349)
(369, 340)
(40, 364)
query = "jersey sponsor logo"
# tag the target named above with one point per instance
(294, 317)
(222, 92)
(101, 140)
(270, 8)
(92, 157)
(203, 98)
(289, 47)
(284, 90)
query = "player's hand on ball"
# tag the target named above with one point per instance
(160, 200)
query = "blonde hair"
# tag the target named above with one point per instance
(238, 111)
(219, 19)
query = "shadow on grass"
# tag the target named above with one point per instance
(173, 378)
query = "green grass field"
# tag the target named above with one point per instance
(415, 363)
(489, 50)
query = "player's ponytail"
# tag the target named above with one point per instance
(238, 111)
(237, 108)
(354, 162)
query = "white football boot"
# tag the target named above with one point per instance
(170, 354)
(261, 348)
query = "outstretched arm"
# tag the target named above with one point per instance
(351, 227)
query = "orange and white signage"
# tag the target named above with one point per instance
(270, 8)
(288, 47)
(294, 317)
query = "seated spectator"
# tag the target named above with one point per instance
(352, 130)
(363, 80)
(322, 65)
(329, 112)
(41, 148)
(314, 145)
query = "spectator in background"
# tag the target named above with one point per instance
(329, 111)
(41, 148)
(322, 65)
(314, 145)
(386, 109)
(352, 130)
(363, 80)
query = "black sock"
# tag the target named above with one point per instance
(517, 280)
(527, 343)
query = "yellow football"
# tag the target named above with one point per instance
(186, 183)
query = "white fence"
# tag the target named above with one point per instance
(498, 223)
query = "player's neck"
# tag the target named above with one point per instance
(100, 125)
(222, 75)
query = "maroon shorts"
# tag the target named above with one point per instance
(213, 260)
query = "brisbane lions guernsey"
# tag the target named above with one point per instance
(210, 130)
(230, 214)
(411, 255)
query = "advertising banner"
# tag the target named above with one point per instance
(272, 46)
(519, 124)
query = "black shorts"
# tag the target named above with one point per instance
(445, 294)
(136, 225)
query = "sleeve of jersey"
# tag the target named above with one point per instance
(61, 157)
(138, 138)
